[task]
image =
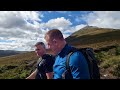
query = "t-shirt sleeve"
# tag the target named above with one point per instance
(49, 64)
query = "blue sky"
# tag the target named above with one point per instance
(71, 15)
(20, 30)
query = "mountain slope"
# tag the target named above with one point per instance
(19, 58)
(94, 37)
(91, 30)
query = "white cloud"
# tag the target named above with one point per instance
(105, 19)
(17, 19)
(78, 27)
(72, 29)
(19, 29)
(59, 23)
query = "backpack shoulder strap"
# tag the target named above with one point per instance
(73, 49)
(68, 74)
(68, 60)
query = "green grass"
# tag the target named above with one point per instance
(17, 66)
(109, 62)
(20, 72)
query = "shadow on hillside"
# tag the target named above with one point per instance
(104, 49)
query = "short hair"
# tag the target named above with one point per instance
(55, 33)
(40, 43)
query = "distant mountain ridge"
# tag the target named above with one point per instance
(9, 52)
(88, 27)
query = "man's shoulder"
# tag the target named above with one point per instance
(76, 57)
(48, 56)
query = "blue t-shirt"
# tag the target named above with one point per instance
(78, 64)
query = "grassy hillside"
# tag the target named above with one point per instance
(17, 59)
(17, 66)
(91, 30)
(109, 62)
(94, 37)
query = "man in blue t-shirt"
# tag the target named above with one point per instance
(78, 65)
(45, 63)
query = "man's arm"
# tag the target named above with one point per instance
(49, 75)
(32, 75)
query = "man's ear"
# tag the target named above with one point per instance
(54, 40)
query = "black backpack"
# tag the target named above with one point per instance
(91, 60)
